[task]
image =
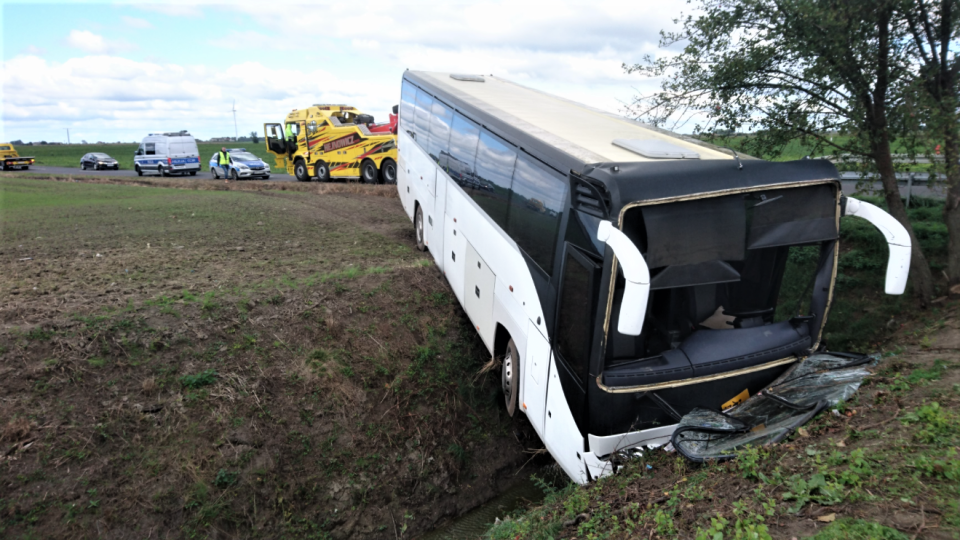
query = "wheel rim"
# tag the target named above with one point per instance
(301, 172)
(509, 378)
(369, 172)
(322, 172)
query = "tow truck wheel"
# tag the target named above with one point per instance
(300, 171)
(388, 172)
(418, 225)
(368, 171)
(322, 171)
(213, 171)
(510, 377)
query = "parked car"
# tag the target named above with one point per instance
(168, 153)
(243, 164)
(97, 161)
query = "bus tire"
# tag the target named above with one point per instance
(322, 171)
(368, 172)
(510, 377)
(388, 172)
(418, 227)
(300, 171)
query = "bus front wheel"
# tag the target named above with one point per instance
(418, 225)
(510, 377)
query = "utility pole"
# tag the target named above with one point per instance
(236, 133)
(68, 135)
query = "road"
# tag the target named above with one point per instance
(274, 176)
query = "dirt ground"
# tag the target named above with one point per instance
(179, 361)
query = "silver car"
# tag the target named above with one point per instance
(243, 164)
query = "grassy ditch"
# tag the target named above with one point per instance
(256, 364)
(882, 466)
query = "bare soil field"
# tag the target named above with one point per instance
(183, 359)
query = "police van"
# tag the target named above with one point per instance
(167, 154)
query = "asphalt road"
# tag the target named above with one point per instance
(274, 176)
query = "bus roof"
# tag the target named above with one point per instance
(584, 133)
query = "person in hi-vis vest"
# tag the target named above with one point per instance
(224, 161)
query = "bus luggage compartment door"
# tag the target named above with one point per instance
(479, 281)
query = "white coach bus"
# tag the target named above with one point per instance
(624, 274)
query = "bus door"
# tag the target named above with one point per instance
(574, 328)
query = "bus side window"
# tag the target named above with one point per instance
(422, 123)
(408, 104)
(536, 206)
(578, 289)
(440, 122)
(495, 160)
(459, 163)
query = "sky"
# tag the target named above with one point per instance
(119, 71)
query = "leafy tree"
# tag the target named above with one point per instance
(254, 137)
(795, 69)
(932, 26)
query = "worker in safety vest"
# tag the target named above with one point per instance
(291, 140)
(224, 161)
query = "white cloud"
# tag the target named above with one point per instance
(89, 42)
(126, 99)
(134, 22)
(33, 50)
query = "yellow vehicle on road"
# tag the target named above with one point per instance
(335, 141)
(13, 160)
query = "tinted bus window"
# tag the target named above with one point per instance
(575, 316)
(408, 104)
(536, 206)
(495, 160)
(422, 125)
(458, 162)
(440, 122)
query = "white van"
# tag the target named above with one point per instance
(168, 153)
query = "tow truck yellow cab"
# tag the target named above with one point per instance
(334, 141)
(11, 159)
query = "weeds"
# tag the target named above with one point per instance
(199, 380)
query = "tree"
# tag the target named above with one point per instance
(254, 137)
(932, 26)
(795, 69)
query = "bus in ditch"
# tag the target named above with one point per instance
(624, 275)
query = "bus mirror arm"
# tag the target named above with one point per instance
(898, 240)
(633, 307)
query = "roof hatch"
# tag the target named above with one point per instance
(656, 149)
(468, 78)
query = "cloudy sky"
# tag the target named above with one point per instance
(118, 71)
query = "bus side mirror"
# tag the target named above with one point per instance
(633, 308)
(898, 264)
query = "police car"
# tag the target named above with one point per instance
(243, 164)
(168, 154)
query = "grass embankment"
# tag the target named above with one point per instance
(69, 155)
(193, 363)
(885, 466)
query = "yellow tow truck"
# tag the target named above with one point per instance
(13, 160)
(335, 141)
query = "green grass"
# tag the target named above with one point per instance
(69, 155)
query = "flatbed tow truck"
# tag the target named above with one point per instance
(13, 160)
(335, 142)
